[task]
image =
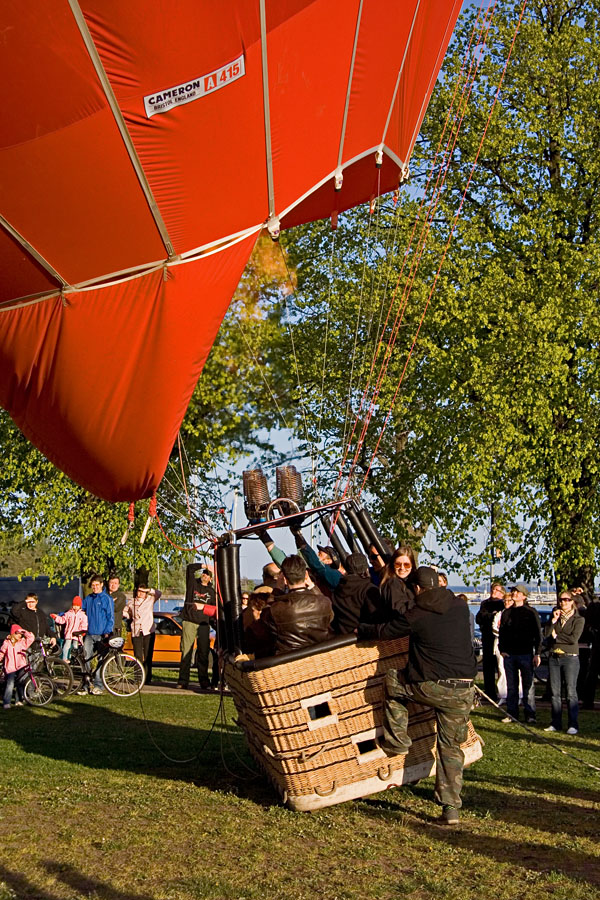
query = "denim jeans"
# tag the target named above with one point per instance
(11, 679)
(89, 644)
(570, 666)
(514, 665)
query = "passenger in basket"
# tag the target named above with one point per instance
(299, 618)
(257, 637)
(440, 674)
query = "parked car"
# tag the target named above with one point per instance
(166, 645)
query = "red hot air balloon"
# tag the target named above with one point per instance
(143, 147)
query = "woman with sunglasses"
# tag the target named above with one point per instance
(396, 580)
(564, 631)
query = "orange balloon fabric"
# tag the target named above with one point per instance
(136, 139)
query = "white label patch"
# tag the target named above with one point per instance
(197, 87)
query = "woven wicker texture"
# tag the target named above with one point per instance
(311, 724)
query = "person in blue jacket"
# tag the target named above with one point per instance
(100, 611)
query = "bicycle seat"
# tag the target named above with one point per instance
(79, 633)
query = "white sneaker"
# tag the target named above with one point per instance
(571, 730)
(507, 720)
(550, 728)
(96, 691)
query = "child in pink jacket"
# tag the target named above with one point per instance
(13, 652)
(74, 620)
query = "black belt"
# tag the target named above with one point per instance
(457, 682)
(558, 655)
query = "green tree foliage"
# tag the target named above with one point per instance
(499, 407)
(51, 526)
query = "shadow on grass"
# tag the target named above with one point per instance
(557, 787)
(473, 836)
(525, 855)
(23, 889)
(212, 754)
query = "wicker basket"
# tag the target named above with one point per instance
(311, 724)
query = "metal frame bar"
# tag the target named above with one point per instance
(251, 530)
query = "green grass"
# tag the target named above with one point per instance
(91, 809)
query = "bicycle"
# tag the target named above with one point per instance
(38, 689)
(55, 667)
(121, 675)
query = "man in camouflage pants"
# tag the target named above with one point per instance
(440, 674)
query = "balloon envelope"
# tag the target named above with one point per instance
(143, 147)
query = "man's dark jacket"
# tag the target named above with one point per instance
(33, 620)
(297, 619)
(440, 645)
(485, 617)
(355, 599)
(120, 600)
(520, 631)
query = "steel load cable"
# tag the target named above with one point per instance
(424, 231)
(448, 241)
(426, 228)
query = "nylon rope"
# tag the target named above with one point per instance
(297, 370)
(183, 480)
(360, 302)
(415, 226)
(446, 156)
(260, 369)
(362, 284)
(536, 734)
(457, 115)
(327, 318)
(448, 241)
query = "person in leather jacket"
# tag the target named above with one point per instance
(302, 616)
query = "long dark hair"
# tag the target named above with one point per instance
(389, 572)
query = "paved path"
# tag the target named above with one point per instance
(170, 687)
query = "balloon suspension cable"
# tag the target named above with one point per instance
(183, 479)
(326, 342)
(456, 112)
(194, 548)
(360, 301)
(380, 295)
(477, 39)
(448, 242)
(297, 368)
(260, 368)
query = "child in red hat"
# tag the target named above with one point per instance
(74, 620)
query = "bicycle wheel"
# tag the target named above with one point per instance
(61, 674)
(123, 675)
(38, 689)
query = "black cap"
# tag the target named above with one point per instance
(335, 559)
(356, 564)
(426, 578)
